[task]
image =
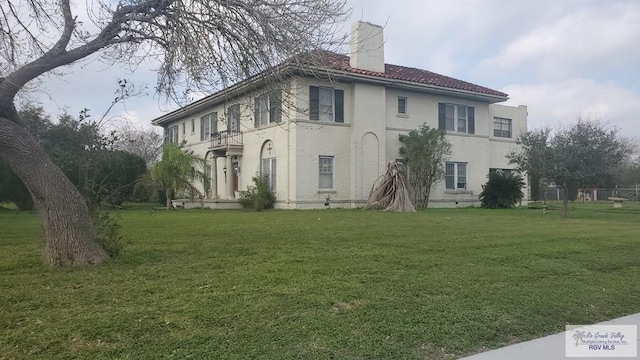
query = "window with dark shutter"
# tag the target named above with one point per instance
(314, 103)
(256, 112)
(214, 122)
(339, 103)
(275, 107)
(326, 104)
(233, 118)
(442, 121)
(456, 118)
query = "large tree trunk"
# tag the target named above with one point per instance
(168, 199)
(427, 193)
(69, 229)
(565, 202)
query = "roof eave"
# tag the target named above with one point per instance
(404, 84)
(250, 84)
(234, 91)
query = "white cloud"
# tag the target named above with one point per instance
(584, 37)
(562, 102)
(521, 42)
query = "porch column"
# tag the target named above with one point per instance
(214, 178)
(229, 177)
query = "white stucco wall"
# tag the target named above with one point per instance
(481, 151)
(313, 138)
(361, 146)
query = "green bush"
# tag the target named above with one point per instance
(502, 191)
(258, 196)
(108, 230)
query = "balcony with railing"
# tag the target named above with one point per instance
(226, 142)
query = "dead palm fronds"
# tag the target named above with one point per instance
(391, 191)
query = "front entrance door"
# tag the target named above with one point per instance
(236, 171)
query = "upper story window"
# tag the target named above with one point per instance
(208, 125)
(326, 104)
(456, 118)
(184, 128)
(501, 127)
(193, 126)
(172, 134)
(233, 118)
(268, 109)
(402, 105)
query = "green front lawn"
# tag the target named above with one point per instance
(326, 284)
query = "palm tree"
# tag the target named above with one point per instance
(178, 171)
(578, 336)
(502, 191)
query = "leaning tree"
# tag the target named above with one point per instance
(197, 44)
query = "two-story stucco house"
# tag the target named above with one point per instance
(325, 132)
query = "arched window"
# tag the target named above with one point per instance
(268, 163)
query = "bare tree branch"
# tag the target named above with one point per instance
(199, 45)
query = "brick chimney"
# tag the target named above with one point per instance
(367, 47)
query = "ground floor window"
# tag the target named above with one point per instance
(268, 170)
(456, 176)
(326, 178)
(500, 171)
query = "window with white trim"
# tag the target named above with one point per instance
(184, 128)
(268, 170)
(456, 118)
(233, 118)
(501, 171)
(172, 134)
(208, 173)
(193, 126)
(326, 104)
(456, 175)
(326, 173)
(208, 125)
(501, 127)
(402, 105)
(268, 109)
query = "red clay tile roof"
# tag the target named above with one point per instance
(396, 72)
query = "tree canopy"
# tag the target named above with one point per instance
(177, 171)
(585, 154)
(426, 150)
(87, 157)
(198, 44)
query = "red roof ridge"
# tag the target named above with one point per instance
(340, 62)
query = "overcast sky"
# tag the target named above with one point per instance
(563, 59)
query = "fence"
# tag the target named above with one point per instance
(554, 193)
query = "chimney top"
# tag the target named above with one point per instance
(367, 47)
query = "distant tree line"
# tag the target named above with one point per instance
(587, 154)
(103, 166)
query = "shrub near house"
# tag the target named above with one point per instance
(503, 190)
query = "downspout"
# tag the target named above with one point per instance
(289, 160)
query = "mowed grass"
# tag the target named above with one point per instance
(325, 284)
